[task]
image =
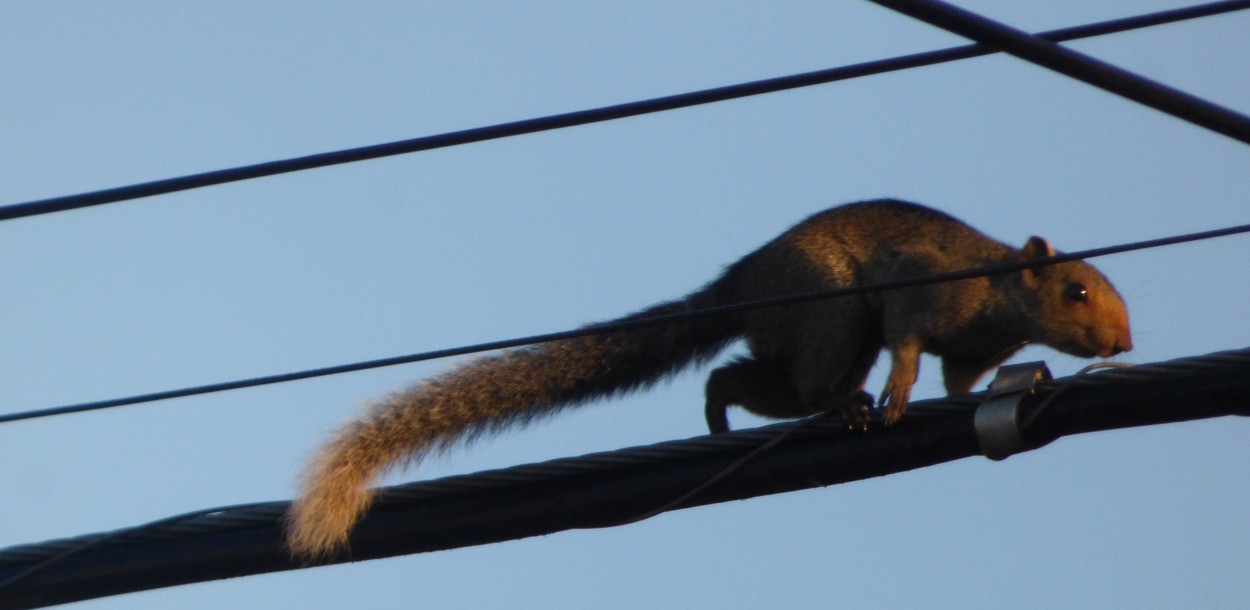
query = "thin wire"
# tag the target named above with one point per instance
(585, 117)
(609, 327)
(1077, 65)
(1080, 375)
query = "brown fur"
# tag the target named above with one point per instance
(804, 359)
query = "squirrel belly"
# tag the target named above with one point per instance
(803, 359)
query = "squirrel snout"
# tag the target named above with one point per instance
(1119, 346)
(1105, 343)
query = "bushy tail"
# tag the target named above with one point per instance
(489, 394)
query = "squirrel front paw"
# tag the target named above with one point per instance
(894, 401)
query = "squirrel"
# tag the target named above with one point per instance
(804, 359)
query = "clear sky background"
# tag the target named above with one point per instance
(547, 232)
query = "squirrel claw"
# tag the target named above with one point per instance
(856, 410)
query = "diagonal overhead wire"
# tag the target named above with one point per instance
(608, 327)
(584, 117)
(1098, 73)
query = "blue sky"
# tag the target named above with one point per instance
(551, 231)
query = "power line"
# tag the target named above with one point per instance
(585, 117)
(608, 488)
(1220, 393)
(1077, 65)
(621, 325)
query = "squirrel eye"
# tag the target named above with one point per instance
(1076, 292)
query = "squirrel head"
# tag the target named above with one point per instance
(1072, 307)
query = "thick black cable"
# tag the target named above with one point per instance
(608, 487)
(90, 542)
(686, 497)
(1048, 54)
(596, 329)
(584, 117)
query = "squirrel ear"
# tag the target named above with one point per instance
(1035, 247)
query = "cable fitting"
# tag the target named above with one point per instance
(997, 419)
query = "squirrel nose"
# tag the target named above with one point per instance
(1121, 346)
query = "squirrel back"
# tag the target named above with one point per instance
(804, 358)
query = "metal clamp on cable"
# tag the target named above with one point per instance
(997, 419)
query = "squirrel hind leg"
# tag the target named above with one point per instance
(761, 387)
(855, 409)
